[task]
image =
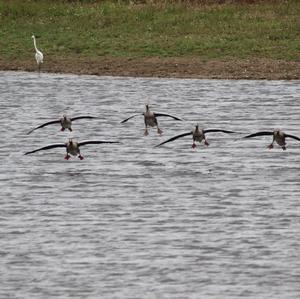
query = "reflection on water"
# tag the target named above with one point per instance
(134, 221)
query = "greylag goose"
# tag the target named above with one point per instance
(72, 147)
(150, 119)
(65, 122)
(278, 137)
(198, 135)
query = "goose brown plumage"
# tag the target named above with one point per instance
(150, 119)
(72, 147)
(278, 136)
(198, 135)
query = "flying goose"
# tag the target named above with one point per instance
(150, 119)
(65, 122)
(72, 147)
(198, 135)
(278, 137)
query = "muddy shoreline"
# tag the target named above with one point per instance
(262, 69)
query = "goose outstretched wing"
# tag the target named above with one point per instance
(292, 136)
(45, 124)
(50, 146)
(262, 133)
(167, 115)
(174, 138)
(85, 142)
(125, 120)
(82, 117)
(217, 130)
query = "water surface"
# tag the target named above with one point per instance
(134, 221)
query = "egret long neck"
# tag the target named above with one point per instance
(34, 43)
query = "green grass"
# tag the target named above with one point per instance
(265, 29)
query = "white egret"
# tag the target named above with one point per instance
(38, 54)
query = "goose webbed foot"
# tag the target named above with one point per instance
(80, 157)
(206, 143)
(62, 129)
(270, 146)
(194, 145)
(146, 132)
(159, 131)
(70, 129)
(67, 157)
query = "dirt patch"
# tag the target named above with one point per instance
(164, 67)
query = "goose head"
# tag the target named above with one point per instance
(277, 132)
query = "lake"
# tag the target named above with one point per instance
(135, 221)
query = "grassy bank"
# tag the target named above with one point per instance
(136, 29)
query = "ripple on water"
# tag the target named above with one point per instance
(135, 221)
